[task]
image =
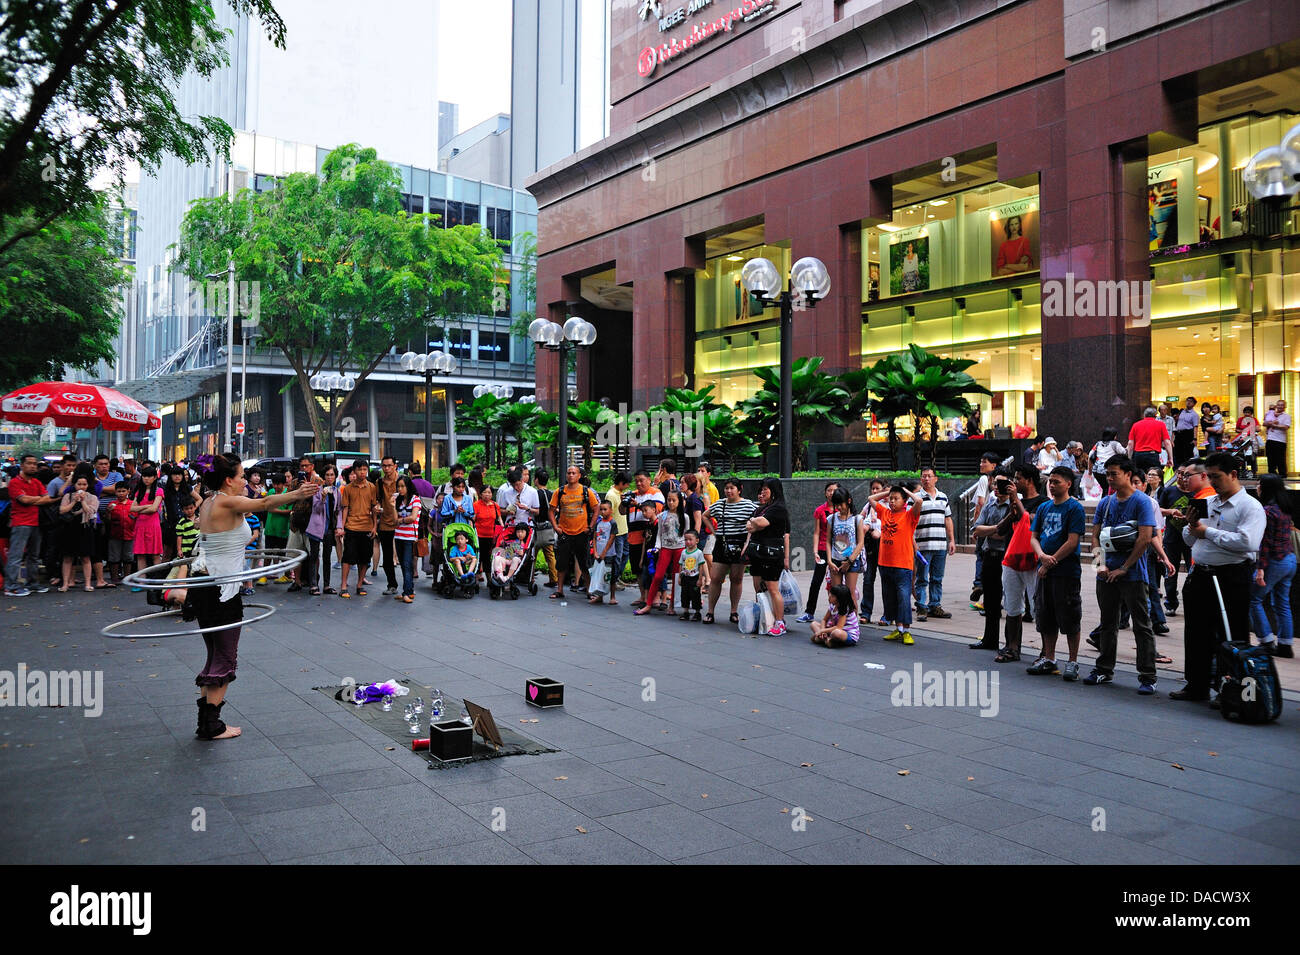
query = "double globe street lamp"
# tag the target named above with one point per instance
(810, 279)
(436, 362)
(574, 333)
(1273, 173)
(332, 383)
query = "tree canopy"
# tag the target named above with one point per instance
(60, 295)
(343, 274)
(87, 86)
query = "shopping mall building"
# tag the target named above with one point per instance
(964, 168)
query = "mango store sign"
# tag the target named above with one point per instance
(654, 56)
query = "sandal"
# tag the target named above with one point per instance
(641, 613)
(556, 596)
(708, 618)
(1006, 656)
(1164, 659)
(107, 585)
(330, 590)
(90, 590)
(345, 595)
(315, 592)
(684, 616)
(735, 617)
(361, 593)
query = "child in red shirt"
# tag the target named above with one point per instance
(121, 534)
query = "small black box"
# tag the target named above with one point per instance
(451, 740)
(544, 692)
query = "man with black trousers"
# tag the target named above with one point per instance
(991, 547)
(1223, 545)
(1185, 432)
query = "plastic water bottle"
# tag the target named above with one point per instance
(419, 706)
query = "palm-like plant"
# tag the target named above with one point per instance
(924, 385)
(724, 433)
(585, 419)
(483, 415)
(513, 420)
(816, 398)
(542, 430)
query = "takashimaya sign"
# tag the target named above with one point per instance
(653, 56)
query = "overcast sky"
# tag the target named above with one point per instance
(474, 57)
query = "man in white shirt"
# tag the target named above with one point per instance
(517, 500)
(1278, 423)
(1223, 546)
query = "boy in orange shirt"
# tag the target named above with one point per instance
(897, 555)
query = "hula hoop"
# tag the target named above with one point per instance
(291, 557)
(107, 631)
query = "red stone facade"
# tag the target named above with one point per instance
(808, 141)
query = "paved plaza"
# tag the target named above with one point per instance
(677, 743)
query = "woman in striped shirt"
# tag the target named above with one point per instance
(729, 516)
(408, 506)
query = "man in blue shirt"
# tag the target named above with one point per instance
(1058, 526)
(1124, 576)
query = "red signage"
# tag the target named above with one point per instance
(654, 56)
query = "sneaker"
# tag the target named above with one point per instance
(921, 616)
(1071, 672)
(39, 589)
(294, 587)
(975, 594)
(804, 618)
(1147, 689)
(1043, 667)
(248, 592)
(1160, 629)
(282, 579)
(1284, 650)
(1096, 678)
(261, 581)
(390, 591)
(778, 629)
(894, 634)
(977, 606)
(940, 614)
(907, 638)
(17, 592)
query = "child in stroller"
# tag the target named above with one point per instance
(460, 560)
(513, 554)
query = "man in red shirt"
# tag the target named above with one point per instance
(1146, 439)
(819, 548)
(26, 497)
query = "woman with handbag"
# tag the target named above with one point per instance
(487, 518)
(77, 512)
(768, 548)
(328, 500)
(729, 516)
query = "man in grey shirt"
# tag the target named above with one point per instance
(1185, 432)
(1223, 548)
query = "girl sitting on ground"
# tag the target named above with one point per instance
(840, 627)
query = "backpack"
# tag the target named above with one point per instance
(1251, 690)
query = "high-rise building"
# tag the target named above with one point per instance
(1052, 190)
(329, 86)
(559, 84)
(448, 122)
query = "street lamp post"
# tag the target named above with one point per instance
(332, 383)
(251, 333)
(427, 365)
(809, 278)
(501, 391)
(574, 333)
(229, 273)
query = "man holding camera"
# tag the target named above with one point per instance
(1129, 521)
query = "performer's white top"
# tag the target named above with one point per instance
(222, 554)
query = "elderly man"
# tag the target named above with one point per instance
(1277, 424)
(1185, 432)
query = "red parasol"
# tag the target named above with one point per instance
(75, 405)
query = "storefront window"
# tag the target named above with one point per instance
(987, 232)
(734, 332)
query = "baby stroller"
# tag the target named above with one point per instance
(1243, 446)
(450, 585)
(524, 577)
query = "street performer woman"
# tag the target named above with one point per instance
(221, 554)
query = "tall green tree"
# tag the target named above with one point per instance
(345, 275)
(88, 86)
(60, 295)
